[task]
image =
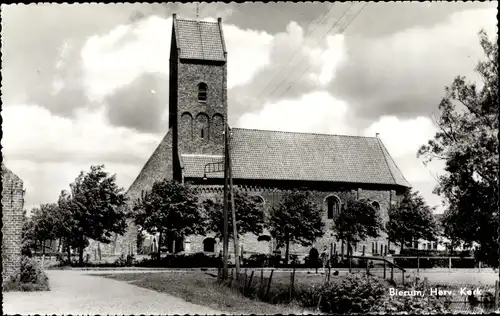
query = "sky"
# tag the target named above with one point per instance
(87, 84)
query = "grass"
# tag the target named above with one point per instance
(201, 288)
(15, 284)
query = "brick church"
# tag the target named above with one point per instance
(265, 163)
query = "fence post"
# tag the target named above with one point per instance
(245, 282)
(261, 289)
(269, 284)
(329, 273)
(367, 267)
(418, 264)
(403, 275)
(449, 263)
(292, 279)
(497, 294)
(392, 273)
(249, 282)
(384, 269)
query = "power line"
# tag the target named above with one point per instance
(295, 53)
(310, 64)
(331, 28)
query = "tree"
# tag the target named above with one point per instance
(250, 217)
(411, 219)
(94, 208)
(467, 141)
(27, 236)
(296, 219)
(170, 209)
(43, 223)
(357, 221)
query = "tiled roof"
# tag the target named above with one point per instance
(157, 168)
(275, 155)
(199, 40)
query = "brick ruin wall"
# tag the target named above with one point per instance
(12, 223)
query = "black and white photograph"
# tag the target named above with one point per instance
(212, 158)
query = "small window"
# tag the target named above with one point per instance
(435, 245)
(264, 238)
(202, 93)
(415, 244)
(209, 245)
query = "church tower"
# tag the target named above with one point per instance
(198, 88)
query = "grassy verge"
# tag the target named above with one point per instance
(201, 288)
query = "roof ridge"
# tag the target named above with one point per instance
(382, 147)
(387, 155)
(302, 133)
(201, 155)
(195, 21)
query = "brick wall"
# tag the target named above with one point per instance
(271, 197)
(12, 220)
(193, 115)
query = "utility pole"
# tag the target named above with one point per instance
(233, 211)
(226, 169)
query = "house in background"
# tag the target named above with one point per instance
(442, 243)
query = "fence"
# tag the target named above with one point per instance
(272, 286)
(427, 262)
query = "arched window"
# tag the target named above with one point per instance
(376, 205)
(187, 125)
(259, 199)
(202, 126)
(202, 93)
(209, 245)
(333, 207)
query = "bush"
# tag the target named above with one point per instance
(31, 277)
(357, 293)
(196, 260)
(123, 261)
(257, 260)
(427, 304)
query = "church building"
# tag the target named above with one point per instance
(265, 163)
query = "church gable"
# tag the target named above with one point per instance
(157, 168)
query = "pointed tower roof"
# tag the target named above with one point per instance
(199, 40)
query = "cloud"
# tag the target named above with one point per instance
(48, 151)
(316, 112)
(405, 73)
(248, 53)
(117, 58)
(298, 65)
(142, 104)
(43, 136)
(403, 138)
